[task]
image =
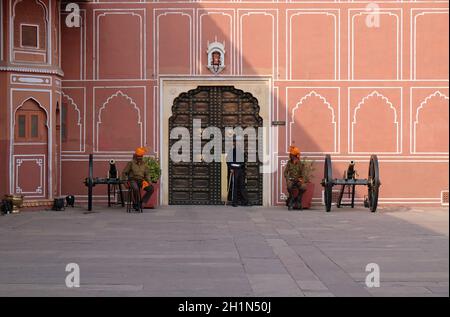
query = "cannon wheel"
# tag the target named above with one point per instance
(374, 183)
(327, 182)
(90, 181)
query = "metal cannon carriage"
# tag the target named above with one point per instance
(350, 181)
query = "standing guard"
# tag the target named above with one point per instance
(236, 172)
(293, 173)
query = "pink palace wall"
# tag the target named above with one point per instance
(341, 87)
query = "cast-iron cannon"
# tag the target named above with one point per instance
(372, 182)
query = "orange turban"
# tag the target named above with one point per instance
(293, 150)
(140, 151)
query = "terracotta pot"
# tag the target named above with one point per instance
(307, 196)
(153, 201)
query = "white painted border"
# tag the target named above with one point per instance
(83, 41)
(335, 13)
(414, 121)
(399, 135)
(81, 118)
(337, 135)
(413, 31)
(31, 157)
(399, 42)
(95, 118)
(33, 80)
(241, 13)
(13, 110)
(48, 21)
(142, 36)
(37, 36)
(156, 35)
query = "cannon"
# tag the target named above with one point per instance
(372, 182)
(113, 181)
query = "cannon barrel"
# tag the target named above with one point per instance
(112, 173)
(350, 174)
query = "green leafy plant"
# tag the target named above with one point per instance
(308, 169)
(154, 168)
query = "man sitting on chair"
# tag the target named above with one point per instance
(293, 173)
(136, 171)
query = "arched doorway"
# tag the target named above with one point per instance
(199, 183)
(30, 150)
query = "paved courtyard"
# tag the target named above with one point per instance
(224, 251)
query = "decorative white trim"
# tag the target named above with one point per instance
(47, 19)
(40, 161)
(12, 114)
(99, 119)
(333, 118)
(399, 39)
(437, 94)
(31, 69)
(156, 34)
(398, 123)
(19, 79)
(142, 36)
(335, 13)
(242, 13)
(81, 125)
(37, 36)
(83, 41)
(413, 31)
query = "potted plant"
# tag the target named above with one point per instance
(154, 169)
(308, 174)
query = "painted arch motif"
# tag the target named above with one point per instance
(430, 126)
(119, 125)
(313, 125)
(375, 126)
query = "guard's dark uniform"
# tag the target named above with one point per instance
(236, 166)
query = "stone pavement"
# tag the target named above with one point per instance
(224, 251)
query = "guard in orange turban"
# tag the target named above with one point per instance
(293, 174)
(293, 150)
(137, 173)
(140, 151)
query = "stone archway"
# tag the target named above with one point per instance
(172, 87)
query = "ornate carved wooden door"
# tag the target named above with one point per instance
(198, 183)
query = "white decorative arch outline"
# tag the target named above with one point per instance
(47, 29)
(336, 40)
(351, 56)
(324, 101)
(79, 123)
(391, 106)
(39, 105)
(437, 94)
(119, 93)
(156, 34)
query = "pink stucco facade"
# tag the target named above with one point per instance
(345, 82)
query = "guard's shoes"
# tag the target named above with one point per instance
(234, 205)
(290, 205)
